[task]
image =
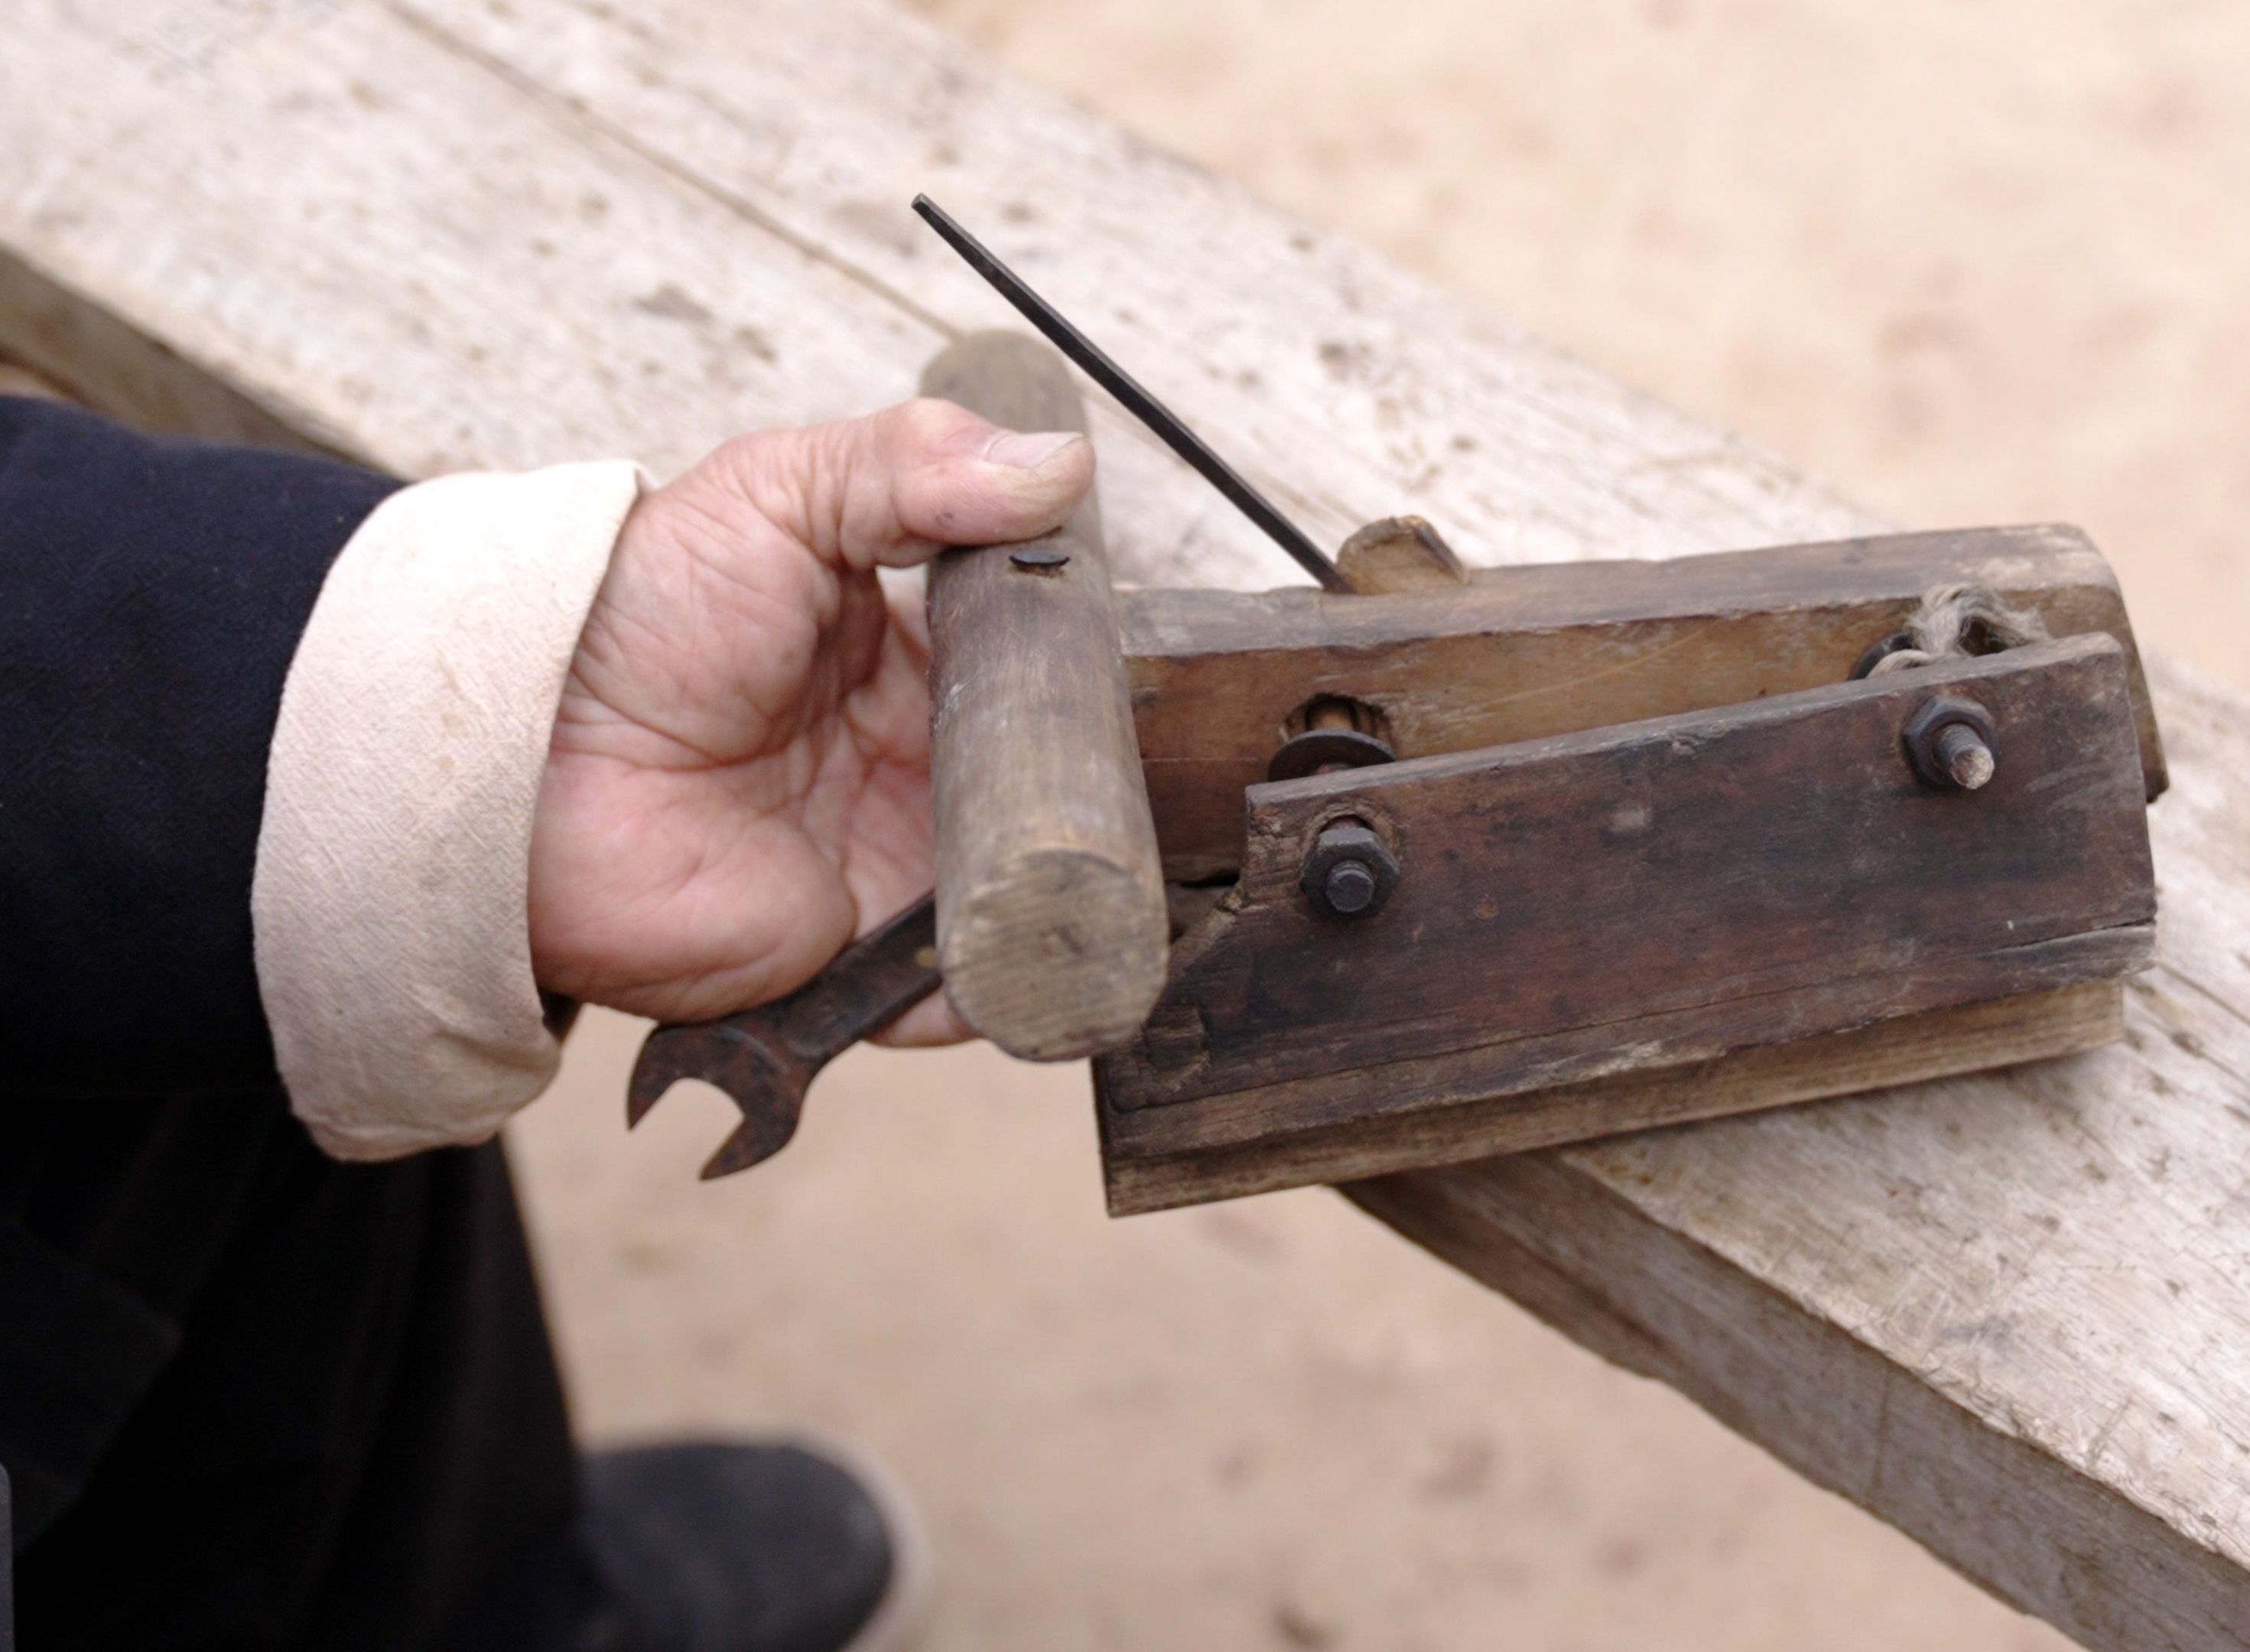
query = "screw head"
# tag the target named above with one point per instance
(1952, 744)
(1350, 872)
(1039, 559)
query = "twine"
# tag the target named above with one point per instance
(1956, 621)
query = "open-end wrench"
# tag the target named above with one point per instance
(765, 1059)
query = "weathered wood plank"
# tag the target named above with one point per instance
(1465, 1121)
(2047, 1388)
(2007, 1313)
(1572, 888)
(648, 222)
(1544, 649)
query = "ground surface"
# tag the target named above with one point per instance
(1971, 261)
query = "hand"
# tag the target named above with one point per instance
(739, 781)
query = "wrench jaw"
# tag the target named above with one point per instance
(765, 1058)
(752, 1142)
(765, 1081)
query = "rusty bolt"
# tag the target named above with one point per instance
(1952, 745)
(1350, 872)
(1966, 759)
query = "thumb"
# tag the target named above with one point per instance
(901, 485)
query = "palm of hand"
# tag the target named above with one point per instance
(739, 779)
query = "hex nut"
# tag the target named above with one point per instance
(1350, 872)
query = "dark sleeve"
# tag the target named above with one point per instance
(151, 595)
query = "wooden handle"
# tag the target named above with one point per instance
(1051, 922)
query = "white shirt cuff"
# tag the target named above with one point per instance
(388, 904)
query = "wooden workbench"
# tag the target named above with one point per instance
(2011, 1316)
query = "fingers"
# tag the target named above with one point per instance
(898, 487)
(932, 1021)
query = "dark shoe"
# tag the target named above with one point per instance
(703, 1547)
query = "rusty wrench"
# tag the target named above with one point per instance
(765, 1059)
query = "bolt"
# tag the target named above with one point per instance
(1963, 756)
(1349, 872)
(1349, 887)
(1952, 746)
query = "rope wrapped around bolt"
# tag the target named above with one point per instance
(1951, 742)
(1953, 622)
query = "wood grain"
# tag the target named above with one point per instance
(1463, 1120)
(1587, 880)
(1525, 653)
(2035, 1354)
(2007, 1313)
(1051, 925)
(1645, 897)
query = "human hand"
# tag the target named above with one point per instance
(739, 779)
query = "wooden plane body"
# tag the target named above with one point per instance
(1654, 854)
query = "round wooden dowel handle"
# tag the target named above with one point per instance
(1052, 930)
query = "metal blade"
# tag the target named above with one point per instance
(1160, 420)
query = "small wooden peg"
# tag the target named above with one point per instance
(1399, 553)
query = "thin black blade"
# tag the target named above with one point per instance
(1136, 400)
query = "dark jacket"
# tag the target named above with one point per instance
(248, 1397)
(151, 595)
